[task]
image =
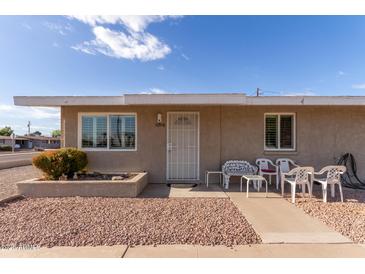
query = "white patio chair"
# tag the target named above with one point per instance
(302, 178)
(267, 167)
(333, 177)
(284, 165)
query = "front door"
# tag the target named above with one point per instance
(183, 146)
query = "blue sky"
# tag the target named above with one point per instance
(110, 55)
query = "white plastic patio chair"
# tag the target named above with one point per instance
(284, 165)
(267, 167)
(301, 177)
(333, 177)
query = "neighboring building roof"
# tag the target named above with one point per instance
(190, 99)
(31, 138)
(9, 138)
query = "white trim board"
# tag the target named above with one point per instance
(190, 99)
(182, 99)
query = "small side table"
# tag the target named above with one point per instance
(254, 178)
(208, 172)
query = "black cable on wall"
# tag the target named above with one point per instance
(350, 178)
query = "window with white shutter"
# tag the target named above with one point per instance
(279, 131)
(107, 131)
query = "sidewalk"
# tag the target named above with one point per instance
(188, 251)
(66, 252)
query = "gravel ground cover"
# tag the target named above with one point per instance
(348, 218)
(9, 177)
(111, 221)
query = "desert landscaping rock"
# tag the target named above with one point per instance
(348, 218)
(115, 221)
(9, 177)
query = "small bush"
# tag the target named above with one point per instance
(6, 148)
(63, 161)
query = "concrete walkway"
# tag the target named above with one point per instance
(188, 251)
(278, 221)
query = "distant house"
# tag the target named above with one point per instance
(29, 142)
(43, 141)
(19, 140)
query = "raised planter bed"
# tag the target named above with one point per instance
(126, 188)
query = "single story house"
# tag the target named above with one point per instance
(177, 137)
(29, 142)
(47, 142)
(8, 141)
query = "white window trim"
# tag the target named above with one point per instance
(107, 114)
(294, 131)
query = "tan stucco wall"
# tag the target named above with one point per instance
(230, 132)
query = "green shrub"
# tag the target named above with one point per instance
(63, 161)
(50, 164)
(6, 148)
(72, 160)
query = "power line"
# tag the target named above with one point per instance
(261, 92)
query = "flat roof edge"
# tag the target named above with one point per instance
(188, 99)
(182, 99)
(57, 101)
(307, 100)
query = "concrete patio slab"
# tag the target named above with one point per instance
(278, 221)
(200, 191)
(182, 191)
(66, 252)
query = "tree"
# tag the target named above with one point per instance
(56, 133)
(6, 131)
(36, 133)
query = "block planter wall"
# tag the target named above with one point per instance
(99, 188)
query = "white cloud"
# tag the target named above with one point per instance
(161, 67)
(156, 91)
(358, 86)
(133, 43)
(61, 29)
(187, 58)
(42, 118)
(84, 47)
(135, 23)
(141, 46)
(341, 73)
(31, 112)
(27, 26)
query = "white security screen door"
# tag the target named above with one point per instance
(183, 146)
